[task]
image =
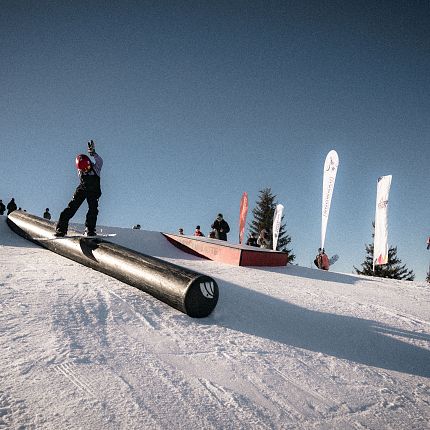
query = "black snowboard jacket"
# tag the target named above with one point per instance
(218, 226)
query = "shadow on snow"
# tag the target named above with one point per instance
(351, 338)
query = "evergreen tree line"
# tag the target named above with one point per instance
(264, 212)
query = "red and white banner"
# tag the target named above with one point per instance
(242, 215)
(277, 218)
(330, 170)
(380, 243)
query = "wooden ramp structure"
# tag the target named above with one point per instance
(224, 252)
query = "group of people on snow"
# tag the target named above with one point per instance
(11, 206)
(220, 229)
(261, 241)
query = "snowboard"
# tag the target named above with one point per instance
(74, 236)
(333, 259)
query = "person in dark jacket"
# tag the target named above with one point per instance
(2, 207)
(88, 188)
(221, 227)
(252, 240)
(11, 206)
(46, 214)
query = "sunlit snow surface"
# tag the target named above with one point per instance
(285, 348)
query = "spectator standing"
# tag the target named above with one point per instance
(221, 227)
(2, 207)
(46, 214)
(263, 240)
(181, 231)
(11, 206)
(321, 260)
(197, 232)
(252, 240)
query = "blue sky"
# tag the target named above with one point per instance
(193, 103)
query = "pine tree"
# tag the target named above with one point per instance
(392, 269)
(263, 218)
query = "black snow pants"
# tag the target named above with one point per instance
(88, 189)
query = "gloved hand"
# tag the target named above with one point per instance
(91, 147)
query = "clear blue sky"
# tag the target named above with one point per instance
(193, 103)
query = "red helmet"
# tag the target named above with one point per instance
(83, 163)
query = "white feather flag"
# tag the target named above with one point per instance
(277, 218)
(380, 242)
(330, 170)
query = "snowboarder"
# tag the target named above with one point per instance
(88, 188)
(2, 207)
(11, 206)
(321, 260)
(46, 214)
(221, 227)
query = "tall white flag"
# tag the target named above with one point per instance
(330, 170)
(380, 243)
(277, 218)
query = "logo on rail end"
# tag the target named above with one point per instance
(207, 289)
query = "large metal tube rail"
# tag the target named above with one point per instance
(188, 291)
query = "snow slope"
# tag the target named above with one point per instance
(285, 348)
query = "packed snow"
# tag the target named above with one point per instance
(285, 348)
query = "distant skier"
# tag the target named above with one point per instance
(46, 214)
(2, 207)
(428, 241)
(89, 189)
(11, 206)
(221, 227)
(321, 260)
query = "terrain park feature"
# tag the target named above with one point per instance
(188, 291)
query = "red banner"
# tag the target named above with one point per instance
(242, 216)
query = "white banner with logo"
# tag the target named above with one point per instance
(380, 243)
(277, 218)
(330, 170)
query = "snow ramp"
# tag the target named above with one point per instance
(188, 291)
(224, 252)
